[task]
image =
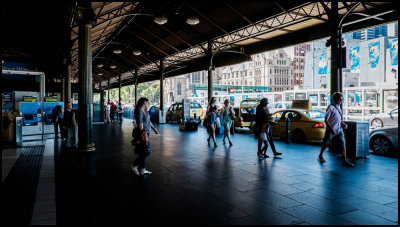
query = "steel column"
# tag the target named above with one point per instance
(210, 71)
(68, 84)
(336, 71)
(161, 84)
(136, 84)
(119, 89)
(108, 91)
(85, 129)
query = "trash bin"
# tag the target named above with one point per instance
(357, 139)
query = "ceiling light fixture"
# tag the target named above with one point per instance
(100, 74)
(137, 52)
(113, 66)
(99, 65)
(192, 20)
(117, 51)
(160, 20)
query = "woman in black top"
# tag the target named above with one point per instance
(211, 117)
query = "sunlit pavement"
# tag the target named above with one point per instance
(195, 183)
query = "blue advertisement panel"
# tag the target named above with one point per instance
(7, 102)
(355, 59)
(323, 64)
(394, 49)
(374, 51)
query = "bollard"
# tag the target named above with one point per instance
(287, 120)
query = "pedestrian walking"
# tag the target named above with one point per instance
(71, 124)
(57, 118)
(334, 129)
(113, 111)
(120, 111)
(228, 115)
(263, 129)
(108, 112)
(142, 134)
(211, 118)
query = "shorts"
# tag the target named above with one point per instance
(263, 136)
(337, 139)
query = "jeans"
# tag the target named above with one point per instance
(72, 133)
(270, 140)
(56, 126)
(141, 160)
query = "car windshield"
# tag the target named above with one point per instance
(250, 103)
(314, 114)
(195, 105)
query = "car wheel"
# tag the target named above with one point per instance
(299, 136)
(377, 123)
(381, 145)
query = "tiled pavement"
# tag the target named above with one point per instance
(193, 183)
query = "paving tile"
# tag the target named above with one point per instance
(321, 203)
(383, 211)
(268, 215)
(314, 216)
(363, 218)
(271, 198)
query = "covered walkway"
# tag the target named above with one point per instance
(194, 183)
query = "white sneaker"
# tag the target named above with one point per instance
(145, 171)
(135, 170)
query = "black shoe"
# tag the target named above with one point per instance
(277, 153)
(348, 164)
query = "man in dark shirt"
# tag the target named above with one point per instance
(57, 118)
(71, 125)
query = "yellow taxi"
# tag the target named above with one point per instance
(174, 112)
(306, 124)
(246, 113)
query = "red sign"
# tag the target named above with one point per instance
(232, 90)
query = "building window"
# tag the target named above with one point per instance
(179, 88)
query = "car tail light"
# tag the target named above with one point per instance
(241, 118)
(318, 125)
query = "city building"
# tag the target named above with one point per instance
(299, 58)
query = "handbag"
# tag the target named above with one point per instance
(218, 123)
(205, 122)
(232, 115)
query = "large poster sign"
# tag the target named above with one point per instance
(394, 49)
(355, 59)
(374, 50)
(323, 64)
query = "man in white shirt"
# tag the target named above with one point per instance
(334, 128)
(108, 111)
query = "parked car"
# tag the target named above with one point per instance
(174, 112)
(384, 141)
(306, 125)
(246, 113)
(273, 107)
(385, 119)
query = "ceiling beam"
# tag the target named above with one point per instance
(150, 44)
(151, 33)
(205, 17)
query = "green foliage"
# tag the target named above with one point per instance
(151, 92)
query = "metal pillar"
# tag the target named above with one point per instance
(62, 89)
(161, 85)
(119, 89)
(108, 91)
(101, 102)
(210, 72)
(336, 71)
(42, 94)
(68, 85)
(85, 129)
(136, 84)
